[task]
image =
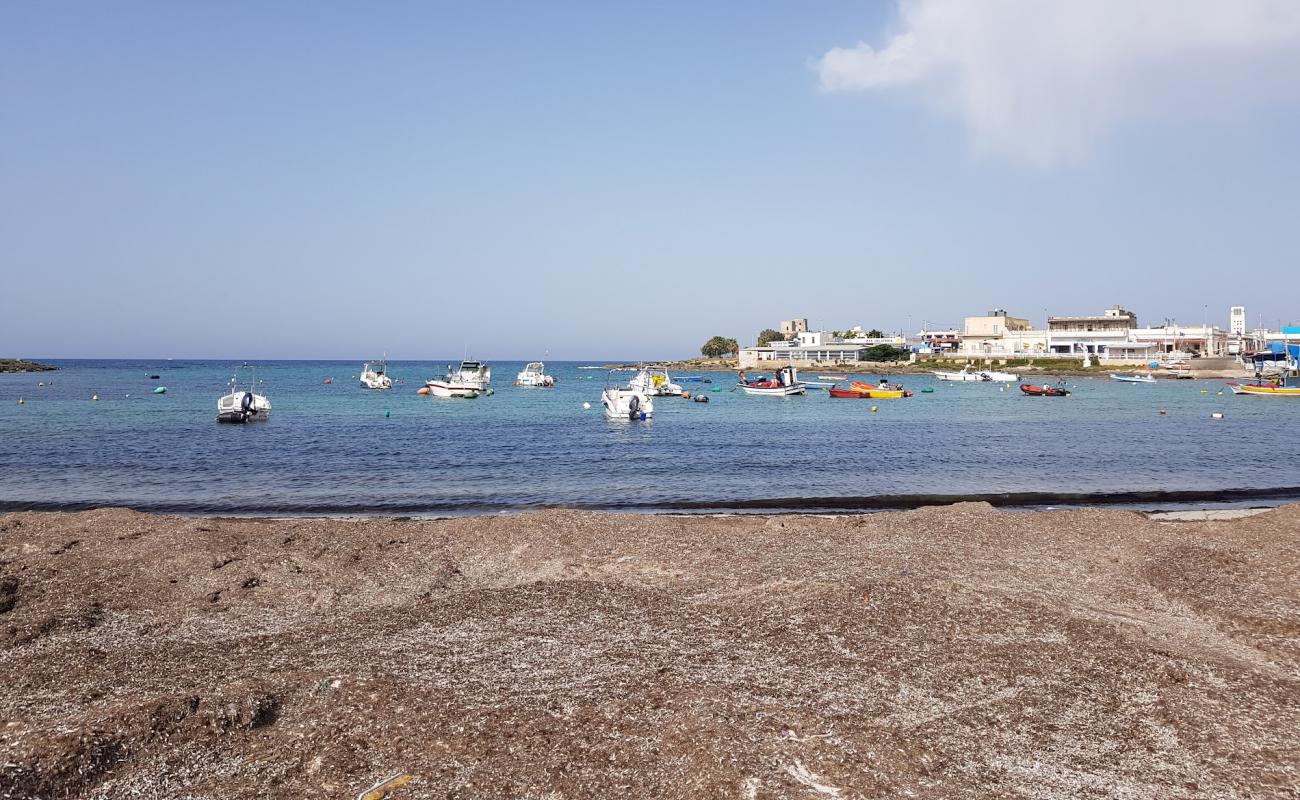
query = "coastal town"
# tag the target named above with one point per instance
(1113, 338)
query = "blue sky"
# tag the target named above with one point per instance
(612, 180)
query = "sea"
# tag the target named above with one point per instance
(337, 449)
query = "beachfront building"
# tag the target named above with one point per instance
(1173, 339)
(929, 341)
(1105, 334)
(1000, 335)
(808, 348)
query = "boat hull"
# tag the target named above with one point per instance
(1270, 391)
(1133, 378)
(231, 409)
(452, 391)
(774, 391)
(627, 404)
(1043, 391)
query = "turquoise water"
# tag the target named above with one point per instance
(331, 449)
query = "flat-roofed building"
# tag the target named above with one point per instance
(1094, 334)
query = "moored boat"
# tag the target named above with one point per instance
(1275, 386)
(535, 375)
(1044, 391)
(243, 406)
(626, 402)
(374, 375)
(1132, 378)
(965, 374)
(1000, 377)
(654, 382)
(865, 391)
(786, 382)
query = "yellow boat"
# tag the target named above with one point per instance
(1280, 391)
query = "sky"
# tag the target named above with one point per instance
(625, 180)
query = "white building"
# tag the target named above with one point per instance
(1237, 321)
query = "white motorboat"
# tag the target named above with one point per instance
(471, 373)
(374, 375)
(1133, 378)
(964, 375)
(448, 388)
(786, 382)
(240, 406)
(1001, 377)
(654, 382)
(625, 402)
(535, 375)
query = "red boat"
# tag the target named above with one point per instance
(1044, 391)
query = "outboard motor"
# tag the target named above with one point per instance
(246, 404)
(634, 407)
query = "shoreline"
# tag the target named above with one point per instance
(960, 651)
(1139, 500)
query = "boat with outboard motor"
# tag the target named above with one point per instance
(1000, 377)
(626, 402)
(1044, 391)
(655, 382)
(534, 374)
(374, 375)
(1132, 378)
(869, 391)
(786, 382)
(243, 406)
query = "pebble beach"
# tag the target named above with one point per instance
(957, 651)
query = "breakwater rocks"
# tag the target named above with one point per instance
(945, 652)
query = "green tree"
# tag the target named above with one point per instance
(875, 333)
(767, 336)
(719, 346)
(884, 352)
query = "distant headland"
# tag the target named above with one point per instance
(22, 365)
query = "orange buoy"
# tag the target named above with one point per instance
(423, 390)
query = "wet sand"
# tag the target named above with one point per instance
(944, 652)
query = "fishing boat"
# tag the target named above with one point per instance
(374, 375)
(1132, 378)
(626, 402)
(786, 382)
(965, 374)
(240, 406)
(1274, 386)
(1000, 377)
(448, 388)
(1044, 391)
(535, 375)
(865, 391)
(655, 382)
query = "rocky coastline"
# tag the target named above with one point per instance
(22, 365)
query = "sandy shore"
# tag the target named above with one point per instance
(939, 653)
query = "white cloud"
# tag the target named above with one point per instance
(1041, 80)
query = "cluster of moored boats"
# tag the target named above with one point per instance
(635, 400)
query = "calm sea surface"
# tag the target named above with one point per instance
(331, 449)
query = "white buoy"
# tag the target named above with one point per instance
(1217, 415)
(587, 406)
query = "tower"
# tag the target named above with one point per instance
(1237, 320)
